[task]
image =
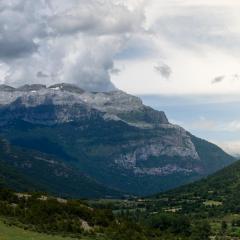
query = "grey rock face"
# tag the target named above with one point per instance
(163, 171)
(172, 144)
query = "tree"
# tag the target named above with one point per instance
(224, 227)
(201, 231)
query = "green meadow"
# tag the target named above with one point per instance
(15, 233)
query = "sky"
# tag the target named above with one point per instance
(180, 56)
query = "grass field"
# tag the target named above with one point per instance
(14, 233)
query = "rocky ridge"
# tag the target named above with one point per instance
(114, 105)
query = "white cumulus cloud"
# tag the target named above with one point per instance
(64, 41)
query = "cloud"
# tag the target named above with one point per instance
(19, 28)
(198, 25)
(84, 41)
(164, 70)
(198, 39)
(42, 75)
(64, 41)
(77, 16)
(232, 126)
(204, 124)
(230, 78)
(236, 77)
(218, 79)
(209, 124)
(232, 147)
(115, 71)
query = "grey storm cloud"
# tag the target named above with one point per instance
(12, 49)
(218, 79)
(19, 29)
(42, 75)
(164, 70)
(115, 71)
(110, 18)
(72, 41)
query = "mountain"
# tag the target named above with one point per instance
(109, 137)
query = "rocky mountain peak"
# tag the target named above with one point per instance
(67, 87)
(32, 87)
(115, 105)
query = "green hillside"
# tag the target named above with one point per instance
(14, 233)
(210, 205)
(219, 193)
(24, 169)
(92, 147)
